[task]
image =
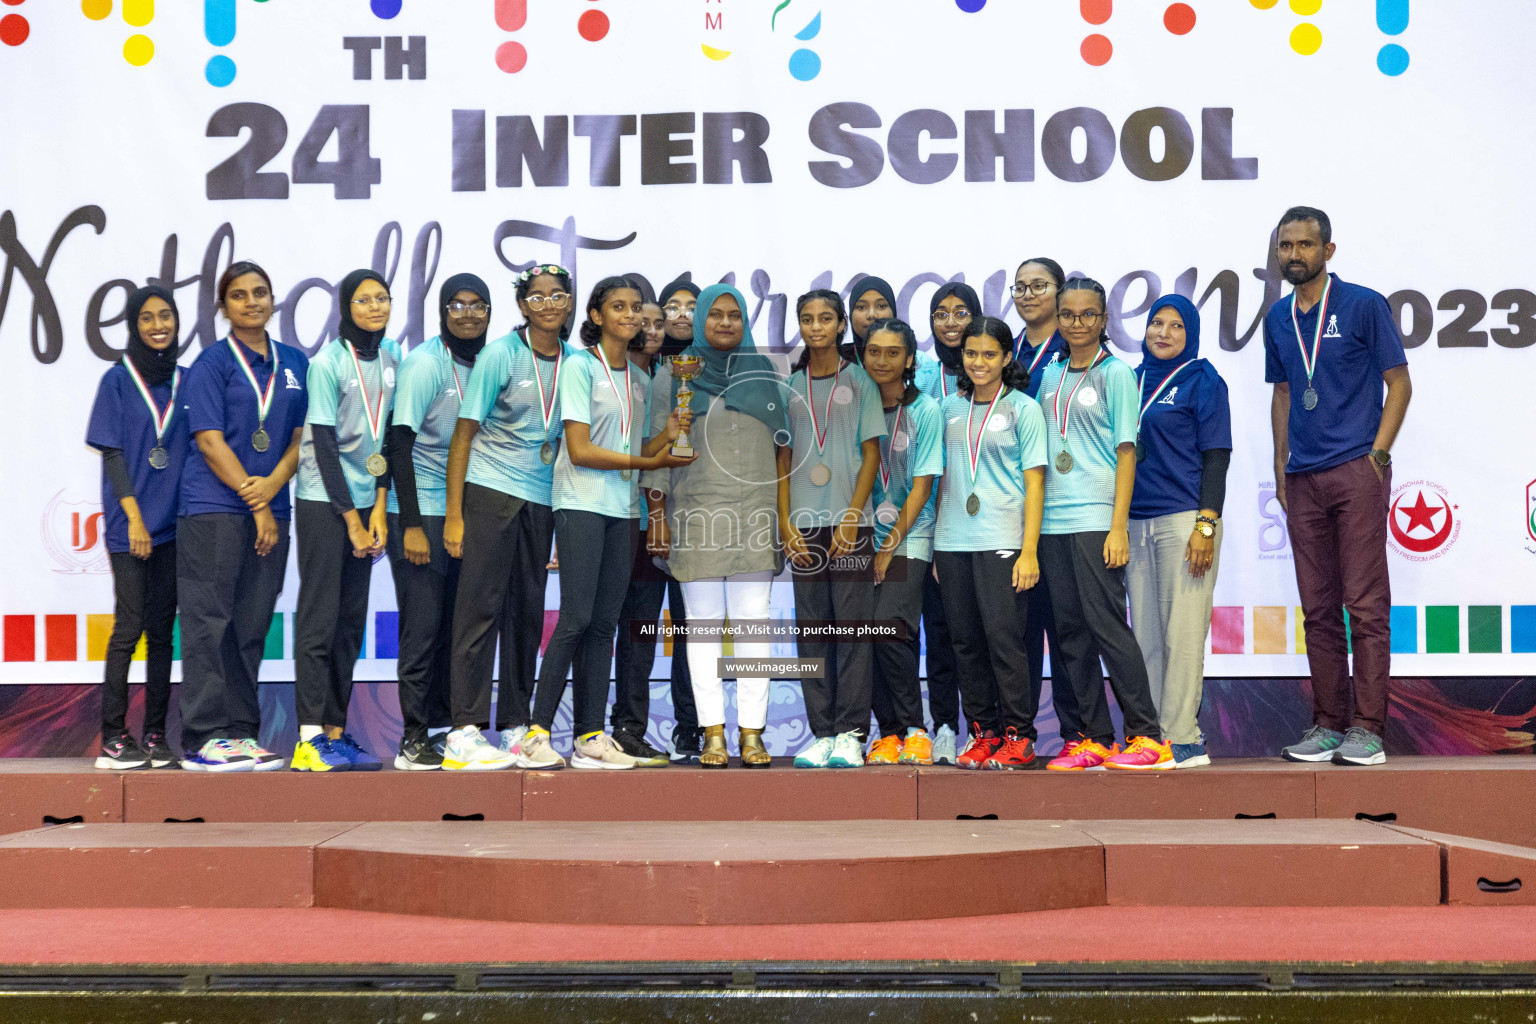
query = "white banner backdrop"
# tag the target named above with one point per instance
(786, 145)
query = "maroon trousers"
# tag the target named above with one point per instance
(1338, 527)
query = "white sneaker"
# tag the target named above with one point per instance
(599, 751)
(816, 755)
(944, 745)
(512, 738)
(535, 752)
(847, 751)
(468, 750)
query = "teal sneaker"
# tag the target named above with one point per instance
(1360, 747)
(816, 755)
(847, 751)
(1318, 744)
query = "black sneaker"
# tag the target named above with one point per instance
(418, 755)
(120, 752)
(159, 751)
(687, 746)
(636, 747)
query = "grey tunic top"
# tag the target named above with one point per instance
(722, 508)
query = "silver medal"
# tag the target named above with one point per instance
(260, 441)
(1063, 461)
(625, 474)
(377, 464)
(1309, 399)
(159, 458)
(547, 453)
(972, 505)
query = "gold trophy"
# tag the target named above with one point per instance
(684, 368)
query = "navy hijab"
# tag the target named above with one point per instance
(1154, 369)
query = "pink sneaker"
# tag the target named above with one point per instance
(1084, 755)
(1143, 754)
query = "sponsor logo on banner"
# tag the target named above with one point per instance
(1423, 522)
(1274, 536)
(1530, 514)
(72, 534)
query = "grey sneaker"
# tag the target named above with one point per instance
(1318, 744)
(1360, 746)
(944, 745)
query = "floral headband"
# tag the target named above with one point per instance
(543, 268)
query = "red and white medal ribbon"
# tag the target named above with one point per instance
(885, 468)
(1148, 403)
(161, 420)
(1045, 347)
(263, 401)
(546, 407)
(625, 412)
(373, 414)
(1061, 419)
(820, 429)
(973, 455)
(1309, 360)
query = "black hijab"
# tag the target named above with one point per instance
(156, 366)
(365, 342)
(950, 357)
(669, 345)
(464, 349)
(871, 284)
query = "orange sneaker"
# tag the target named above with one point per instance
(884, 750)
(1143, 754)
(1083, 755)
(917, 748)
(983, 745)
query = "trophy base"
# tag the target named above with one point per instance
(683, 451)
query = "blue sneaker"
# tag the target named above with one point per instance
(1190, 755)
(317, 755)
(360, 759)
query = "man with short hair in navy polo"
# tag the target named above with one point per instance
(1328, 349)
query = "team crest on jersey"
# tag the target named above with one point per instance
(292, 381)
(1169, 397)
(1333, 327)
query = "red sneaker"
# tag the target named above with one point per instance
(1015, 754)
(983, 746)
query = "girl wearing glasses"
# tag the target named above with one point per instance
(427, 400)
(245, 403)
(870, 299)
(501, 468)
(1184, 447)
(827, 475)
(911, 456)
(949, 312)
(1035, 287)
(678, 301)
(143, 444)
(1090, 404)
(341, 517)
(987, 540)
(714, 519)
(596, 496)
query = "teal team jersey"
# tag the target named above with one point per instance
(1103, 416)
(931, 379)
(588, 395)
(849, 411)
(336, 401)
(504, 395)
(913, 446)
(428, 393)
(1012, 441)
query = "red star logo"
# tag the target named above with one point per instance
(1420, 514)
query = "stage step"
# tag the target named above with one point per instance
(662, 873)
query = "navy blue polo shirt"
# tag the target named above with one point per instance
(1027, 355)
(1190, 417)
(120, 419)
(1360, 342)
(217, 395)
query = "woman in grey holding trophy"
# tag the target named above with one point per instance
(715, 519)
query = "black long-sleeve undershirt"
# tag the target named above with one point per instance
(117, 472)
(1213, 477)
(402, 447)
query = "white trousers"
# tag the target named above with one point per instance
(741, 598)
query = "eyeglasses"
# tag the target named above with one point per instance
(555, 300)
(370, 301)
(1021, 289)
(734, 316)
(1085, 319)
(943, 316)
(472, 308)
(673, 311)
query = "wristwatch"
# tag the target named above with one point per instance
(1205, 526)
(1381, 457)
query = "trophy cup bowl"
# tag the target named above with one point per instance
(684, 368)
